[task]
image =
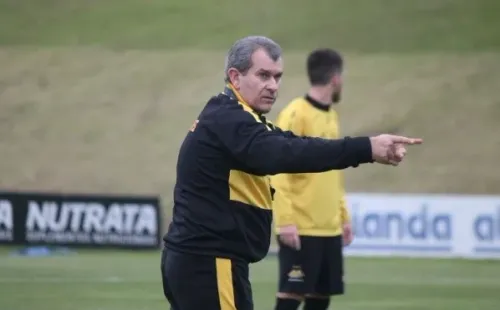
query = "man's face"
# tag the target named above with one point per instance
(259, 86)
(337, 89)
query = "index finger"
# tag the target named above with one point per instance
(406, 140)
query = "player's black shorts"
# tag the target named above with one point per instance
(195, 282)
(318, 268)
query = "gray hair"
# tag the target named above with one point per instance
(240, 54)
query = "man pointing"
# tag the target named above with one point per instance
(223, 196)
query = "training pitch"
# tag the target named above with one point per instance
(122, 280)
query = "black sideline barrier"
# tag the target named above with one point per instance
(93, 221)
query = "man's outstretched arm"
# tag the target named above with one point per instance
(274, 151)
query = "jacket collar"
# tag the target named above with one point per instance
(232, 93)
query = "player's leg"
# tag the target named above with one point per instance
(239, 278)
(190, 281)
(165, 282)
(290, 291)
(316, 302)
(193, 282)
(298, 272)
(331, 279)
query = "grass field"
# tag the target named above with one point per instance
(131, 281)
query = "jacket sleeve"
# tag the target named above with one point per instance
(270, 151)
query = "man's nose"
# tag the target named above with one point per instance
(273, 85)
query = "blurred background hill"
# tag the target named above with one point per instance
(96, 96)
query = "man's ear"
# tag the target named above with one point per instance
(337, 79)
(234, 77)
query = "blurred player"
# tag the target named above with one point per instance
(312, 222)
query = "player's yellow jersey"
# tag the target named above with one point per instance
(315, 202)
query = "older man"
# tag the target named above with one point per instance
(223, 197)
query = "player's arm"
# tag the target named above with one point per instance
(347, 232)
(271, 152)
(344, 212)
(283, 205)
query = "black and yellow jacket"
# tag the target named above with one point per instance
(223, 196)
(314, 202)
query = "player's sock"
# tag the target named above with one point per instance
(316, 303)
(287, 304)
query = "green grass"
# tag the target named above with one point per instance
(96, 96)
(92, 280)
(356, 25)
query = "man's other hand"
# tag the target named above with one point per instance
(347, 234)
(389, 149)
(289, 235)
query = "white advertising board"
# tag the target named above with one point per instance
(425, 225)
